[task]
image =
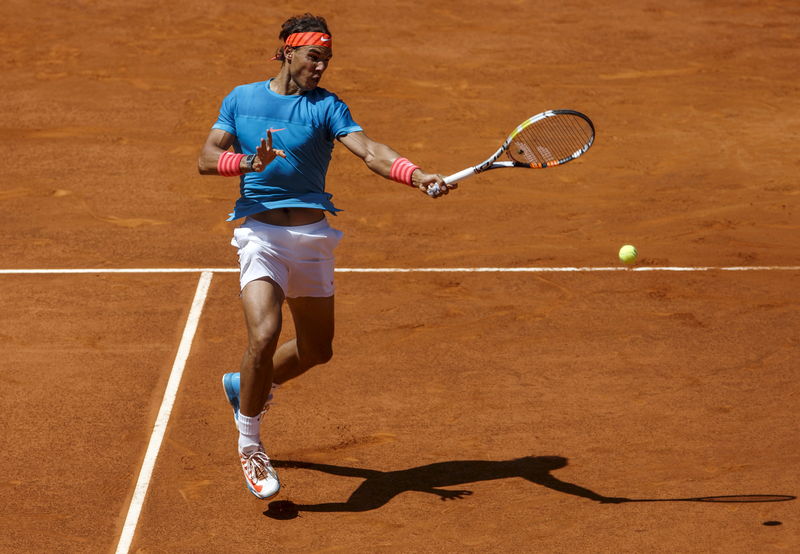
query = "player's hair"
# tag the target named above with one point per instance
(301, 24)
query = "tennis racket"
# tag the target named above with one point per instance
(548, 139)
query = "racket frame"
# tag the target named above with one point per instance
(492, 163)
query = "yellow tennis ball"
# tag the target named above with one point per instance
(628, 254)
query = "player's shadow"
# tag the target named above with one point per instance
(379, 487)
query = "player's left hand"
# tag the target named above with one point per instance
(265, 153)
(431, 184)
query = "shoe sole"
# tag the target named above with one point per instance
(230, 383)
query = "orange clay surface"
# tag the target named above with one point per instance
(462, 411)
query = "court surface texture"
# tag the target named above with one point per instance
(500, 382)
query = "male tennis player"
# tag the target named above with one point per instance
(282, 132)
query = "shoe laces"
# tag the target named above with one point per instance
(257, 464)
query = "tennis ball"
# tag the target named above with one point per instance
(628, 254)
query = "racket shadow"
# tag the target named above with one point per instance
(728, 498)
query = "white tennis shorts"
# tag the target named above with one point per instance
(299, 259)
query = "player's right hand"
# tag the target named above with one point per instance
(432, 184)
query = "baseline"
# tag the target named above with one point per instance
(410, 269)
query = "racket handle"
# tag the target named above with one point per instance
(450, 179)
(460, 175)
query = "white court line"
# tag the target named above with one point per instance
(118, 270)
(407, 269)
(157, 436)
(554, 269)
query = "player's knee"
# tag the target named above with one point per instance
(264, 340)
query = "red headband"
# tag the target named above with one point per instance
(309, 39)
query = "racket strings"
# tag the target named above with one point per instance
(550, 141)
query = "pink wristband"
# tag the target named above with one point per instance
(228, 164)
(401, 171)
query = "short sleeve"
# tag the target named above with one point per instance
(340, 121)
(227, 115)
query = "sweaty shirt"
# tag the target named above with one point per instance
(304, 126)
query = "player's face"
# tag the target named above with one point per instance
(308, 63)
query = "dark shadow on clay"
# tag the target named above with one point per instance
(379, 487)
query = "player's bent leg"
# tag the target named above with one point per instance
(314, 326)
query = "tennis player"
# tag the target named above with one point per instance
(282, 132)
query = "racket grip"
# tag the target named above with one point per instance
(450, 179)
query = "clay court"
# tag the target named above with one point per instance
(515, 388)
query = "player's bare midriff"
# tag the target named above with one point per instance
(289, 217)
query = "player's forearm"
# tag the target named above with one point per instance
(379, 158)
(209, 162)
(387, 163)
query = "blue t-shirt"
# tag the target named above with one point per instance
(304, 126)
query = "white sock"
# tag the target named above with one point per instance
(249, 431)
